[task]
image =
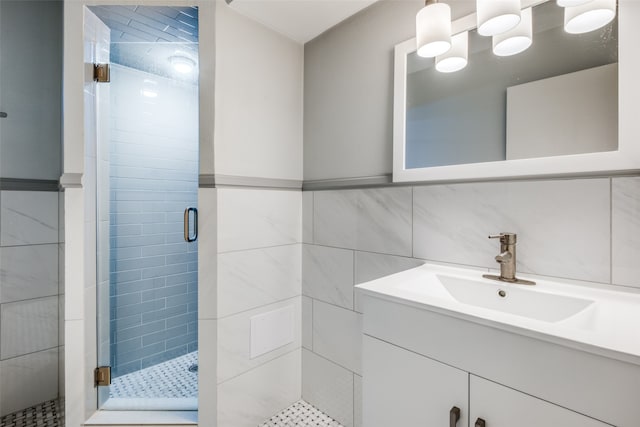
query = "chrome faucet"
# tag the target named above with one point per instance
(507, 260)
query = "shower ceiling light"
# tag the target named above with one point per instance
(182, 64)
(497, 16)
(433, 29)
(456, 58)
(517, 40)
(589, 16)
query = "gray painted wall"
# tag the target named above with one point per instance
(348, 90)
(30, 89)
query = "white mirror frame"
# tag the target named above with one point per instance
(625, 160)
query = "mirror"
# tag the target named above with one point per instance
(550, 110)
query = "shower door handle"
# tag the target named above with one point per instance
(187, 228)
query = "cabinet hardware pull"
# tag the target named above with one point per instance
(454, 416)
(187, 234)
(480, 423)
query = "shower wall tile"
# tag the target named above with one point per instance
(625, 237)
(207, 254)
(452, 223)
(376, 220)
(28, 326)
(307, 217)
(328, 387)
(328, 274)
(307, 323)
(249, 219)
(28, 380)
(28, 217)
(253, 278)
(251, 398)
(28, 272)
(234, 340)
(337, 335)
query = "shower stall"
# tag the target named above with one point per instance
(146, 181)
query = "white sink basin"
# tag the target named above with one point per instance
(600, 319)
(512, 299)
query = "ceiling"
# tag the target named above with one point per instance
(145, 37)
(300, 20)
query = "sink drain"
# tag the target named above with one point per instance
(193, 368)
(502, 293)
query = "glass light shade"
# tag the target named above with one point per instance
(497, 16)
(457, 57)
(517, 40)
(589, 16)
(571, 3)
(433, 30)
(182, 64)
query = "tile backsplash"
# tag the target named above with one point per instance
(583, 229)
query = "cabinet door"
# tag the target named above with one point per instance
(402, 388)
(501, 406)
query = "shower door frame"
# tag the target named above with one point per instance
(80, 259)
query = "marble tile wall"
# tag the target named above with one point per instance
(259, 259)
(583, 229)
(31, 297)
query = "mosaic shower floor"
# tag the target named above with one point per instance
(170, 379)
(47, 414)
(51, 414)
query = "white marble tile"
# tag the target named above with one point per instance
(207, 253)
(234, 340)
(625, 237)
(328, 387)
(28, 380)
(28, 217)
(307, 217)
(337, 335)
(251, 398)
(249, 219)
(28, 272)
(207, 365)
(371, 266)
(307, 323)
(376, 220)
(253, 278)
(562, 225)
(357, 401)
(28, 326)
(327, 274)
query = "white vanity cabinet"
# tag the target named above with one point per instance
(403, 388)
(419, 361)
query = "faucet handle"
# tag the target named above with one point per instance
(505, 238)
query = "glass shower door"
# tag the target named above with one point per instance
(147, 185)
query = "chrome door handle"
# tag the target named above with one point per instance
(187, 218)
(454, 416)
(480, 423)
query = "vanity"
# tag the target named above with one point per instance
(443, 346)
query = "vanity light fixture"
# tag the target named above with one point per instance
(569, 3)
(589, 16)
(182, 64)
(456, 58)
(516, 40)
(433, 29)
(497, 16)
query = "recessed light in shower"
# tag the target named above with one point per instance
(182, 64)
